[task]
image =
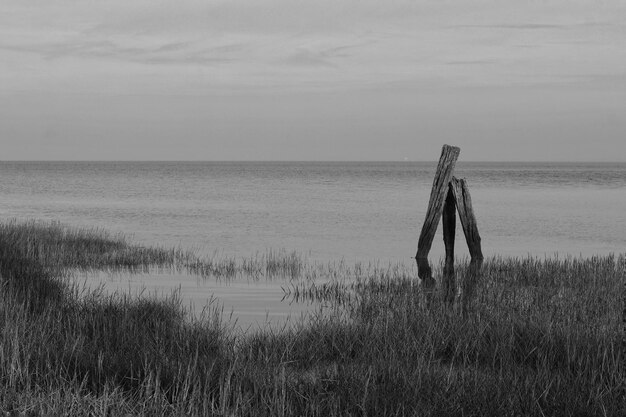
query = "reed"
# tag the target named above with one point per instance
(542, 337)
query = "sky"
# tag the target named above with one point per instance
(506, 80)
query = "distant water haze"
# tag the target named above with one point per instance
(326, 211)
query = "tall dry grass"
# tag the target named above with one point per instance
(541, 337)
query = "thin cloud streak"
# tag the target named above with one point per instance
(363, 41)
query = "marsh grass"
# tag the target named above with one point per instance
(541, 337)
(272, 264)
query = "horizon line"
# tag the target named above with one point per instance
(315, 161)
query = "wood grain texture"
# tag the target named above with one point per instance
(467, 218)
(445, 169)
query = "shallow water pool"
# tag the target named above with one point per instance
(245, 303)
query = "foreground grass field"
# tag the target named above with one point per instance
(542, 337)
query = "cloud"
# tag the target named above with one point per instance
(308, 58)
(519, 26)
(471, 62)
(314, 43)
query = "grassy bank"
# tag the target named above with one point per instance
(542, 337)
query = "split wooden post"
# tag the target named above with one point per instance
(449, 195)
(445, 169)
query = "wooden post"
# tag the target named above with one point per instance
(448, 196)
(466, 215)
(470, 229)
(445, 169)
(449, 229)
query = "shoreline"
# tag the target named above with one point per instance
(534, 326)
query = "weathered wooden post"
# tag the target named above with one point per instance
(466, 215)
(447, 196)
(470, 229)
(441, 187)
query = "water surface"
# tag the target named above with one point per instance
(326, 211)
(356, 211)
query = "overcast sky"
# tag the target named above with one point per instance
(312, 79)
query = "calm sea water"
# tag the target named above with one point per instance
(365, 211)
(357, 211)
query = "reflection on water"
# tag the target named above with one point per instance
(249, 304)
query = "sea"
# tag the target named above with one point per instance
(351, 212)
